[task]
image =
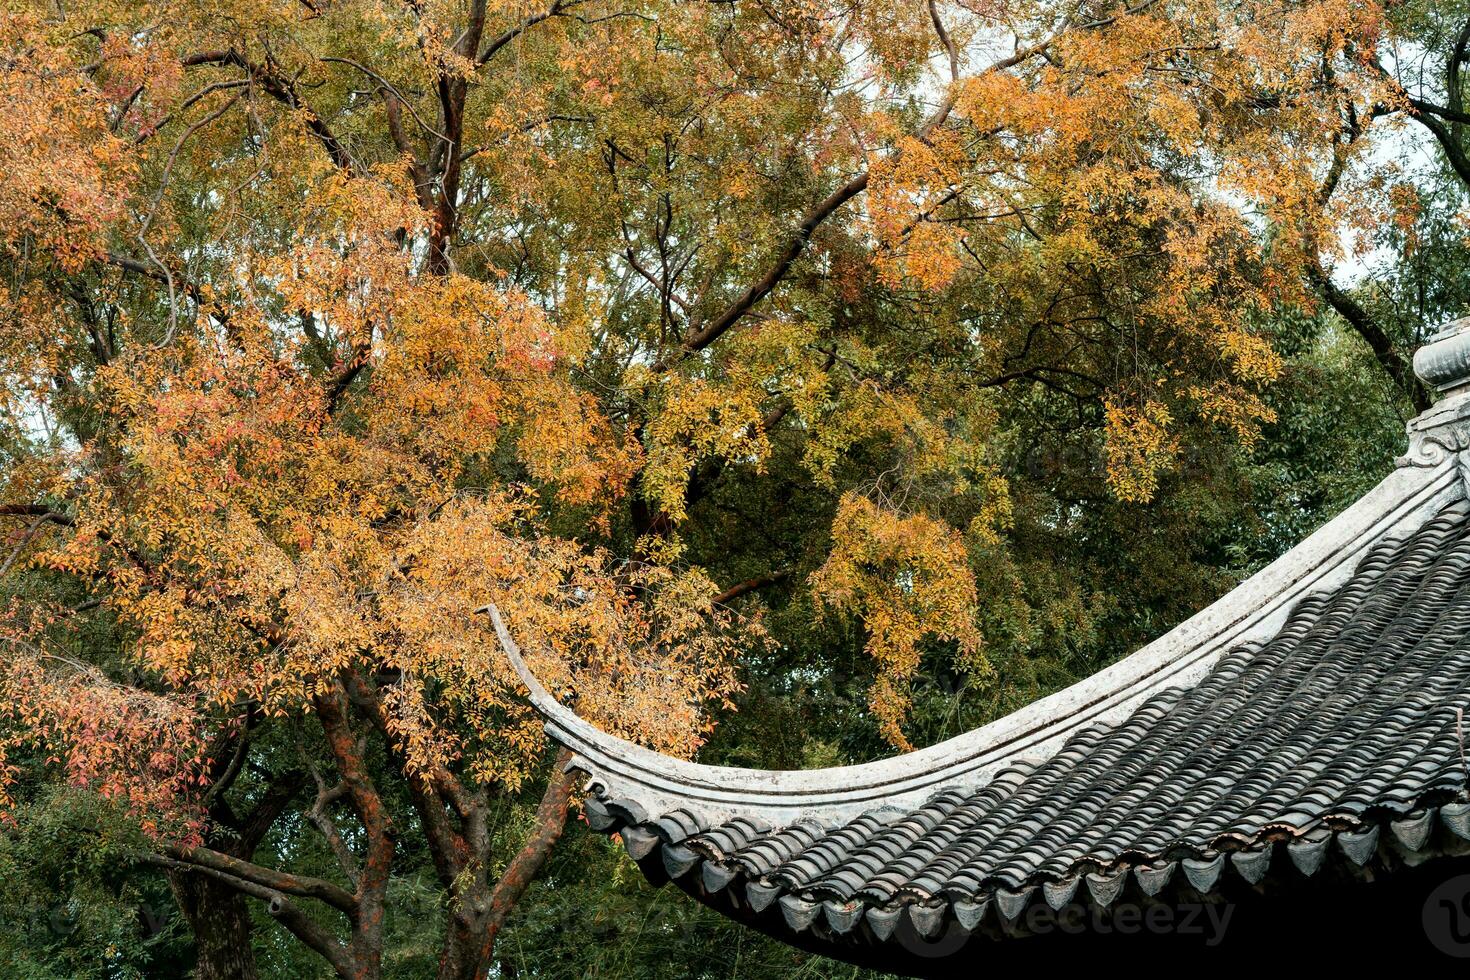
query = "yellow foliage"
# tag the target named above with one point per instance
(907, 577)
(64, 177)
(311, 376)
(1138, 448)
(698, 420)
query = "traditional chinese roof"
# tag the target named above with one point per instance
(1311, 719)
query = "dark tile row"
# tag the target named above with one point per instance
(1340, 736)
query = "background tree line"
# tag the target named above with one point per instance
(806, 380)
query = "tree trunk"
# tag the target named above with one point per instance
(551, 820)
(458, 961)
(220, 921)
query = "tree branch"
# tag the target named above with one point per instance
(1453, 115)
(750, 585)
(793, 247)
(1378, 340)
(302, 886)
(430, 793)
(191, 289)
(281, 908)
(283, 91)
(757, 291)
(947, 41)
(1454, 153)
(342, 380)
(36, 510)
(261, 817)
(1452, 69)
(1367, 328)
(494, 47)
(551, 820)
(372, 814)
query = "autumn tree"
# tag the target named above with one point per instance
(1409, 207)
(328, 322)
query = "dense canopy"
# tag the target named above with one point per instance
(819, 378)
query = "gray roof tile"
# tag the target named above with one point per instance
(1346, 719)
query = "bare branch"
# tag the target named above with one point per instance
(947, 41)
(389, 87)
(281, 908)
(36, 510)
(1453, 151)
(750, 585)
(147, 134)
(301, 886)
(163, 181)
(753, 294)
(1374, 335)
(282, 90)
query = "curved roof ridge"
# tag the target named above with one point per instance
(1312, 718)
(649, 784)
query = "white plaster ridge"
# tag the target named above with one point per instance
(1428, 478)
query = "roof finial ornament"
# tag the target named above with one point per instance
(1444, 430)
(1444, 362)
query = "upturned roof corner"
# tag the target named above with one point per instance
(1311, 718)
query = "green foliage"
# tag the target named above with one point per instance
(1051, 392)
(592, 915)
(76, 905)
